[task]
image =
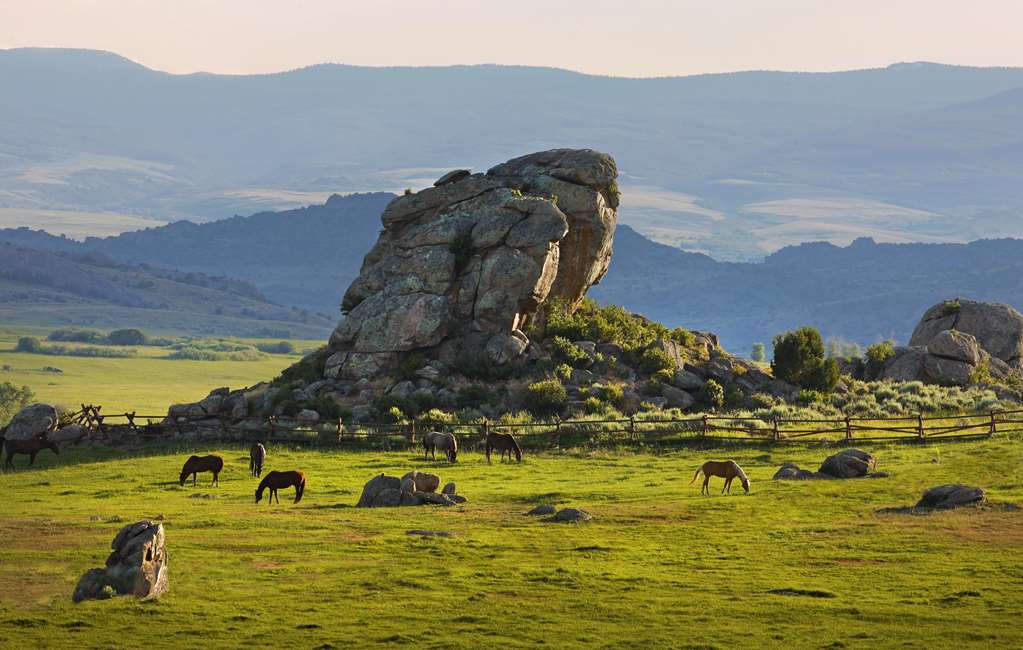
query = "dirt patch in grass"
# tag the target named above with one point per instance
(808, 593)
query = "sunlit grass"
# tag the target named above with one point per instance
(796, 564)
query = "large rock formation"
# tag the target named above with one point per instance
(961, 341)
(463, 267)
(33, 421)
(137, 566)
(997, 328)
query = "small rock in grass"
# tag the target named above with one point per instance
(570, 515)
(952, 495)
(543, 509)
(449, 489)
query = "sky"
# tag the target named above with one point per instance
(638, 38)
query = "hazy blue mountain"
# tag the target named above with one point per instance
(862, 292)
(738, 165)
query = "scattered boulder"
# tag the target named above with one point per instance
(429, 533)
(543, 509)
(449, 488)
(951, 495)
(307, 415)
(137, 566)
(33, 421)
(676, 397)
(848, 463)
(371, 492)
(70, 434)
(570, 515)
(791, 472)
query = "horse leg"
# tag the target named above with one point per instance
(32, 458)
(706, 482)
(488, 453)
(728, 485)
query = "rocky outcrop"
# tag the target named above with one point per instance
(413, 489)
(463, 267)
(137, 566)
(997, 328)
(950, 358)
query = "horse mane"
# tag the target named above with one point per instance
(741, 474)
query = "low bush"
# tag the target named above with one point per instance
(545, 398)
(711, 395)
(655, 359)
(29, 344)
(76, 335)
(308, 369)
(568, 352)
(281, 347)
(12, 400)
(130, 336)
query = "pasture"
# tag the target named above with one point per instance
(146, 384)
(795, 564)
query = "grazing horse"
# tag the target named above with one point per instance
(196, 464)
(31, 447)
(278, 480)
(446, 442)
(726, 469)
(257, 454)
(506, 443)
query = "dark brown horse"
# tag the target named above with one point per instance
(196, 464)
(256, 457)
(505, 442)
(31, 447)
(277, 480)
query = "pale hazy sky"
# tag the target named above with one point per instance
(633, 37)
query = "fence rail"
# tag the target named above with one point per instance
(557, 433)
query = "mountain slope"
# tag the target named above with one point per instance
(82, 129)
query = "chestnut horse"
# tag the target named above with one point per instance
(726, 469)
(504, 442)
(196, 464)
(277, 480)
(446, 442)
(31, 447)
(257, 454)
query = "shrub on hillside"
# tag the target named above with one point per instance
(568, 352)
(308, 369)
(711, 395)
(473, 396)
(546, 397)
(876, 356)
(799, 359)
(655, 359)
(758, 353)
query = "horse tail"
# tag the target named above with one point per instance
(700, 469)
(515, 446)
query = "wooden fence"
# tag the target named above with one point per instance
(560, 433)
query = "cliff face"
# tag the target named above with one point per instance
(462, 267)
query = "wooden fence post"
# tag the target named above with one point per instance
(703, 431)
(412, 432)
(848, 428)
(271, 421)
(777, 434)
(557, 433)
(131, 421)
(632, 427)
(99, 418)
(993, 428)
(920, 425)
(340, 430)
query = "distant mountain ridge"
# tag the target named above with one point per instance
(734, 164)
(863, 292)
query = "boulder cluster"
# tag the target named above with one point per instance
(42, 421)
(413, 489)
(961, 342)
(137, 566)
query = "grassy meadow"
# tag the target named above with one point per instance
(795, 564)
(147, 383)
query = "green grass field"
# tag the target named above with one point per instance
(802, 564)
(146, 384)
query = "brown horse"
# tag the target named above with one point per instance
(504, 442)
(277, 480)
(726, 469)
(31, 447)
(446, 442)
(196, 464)
(257, 454)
